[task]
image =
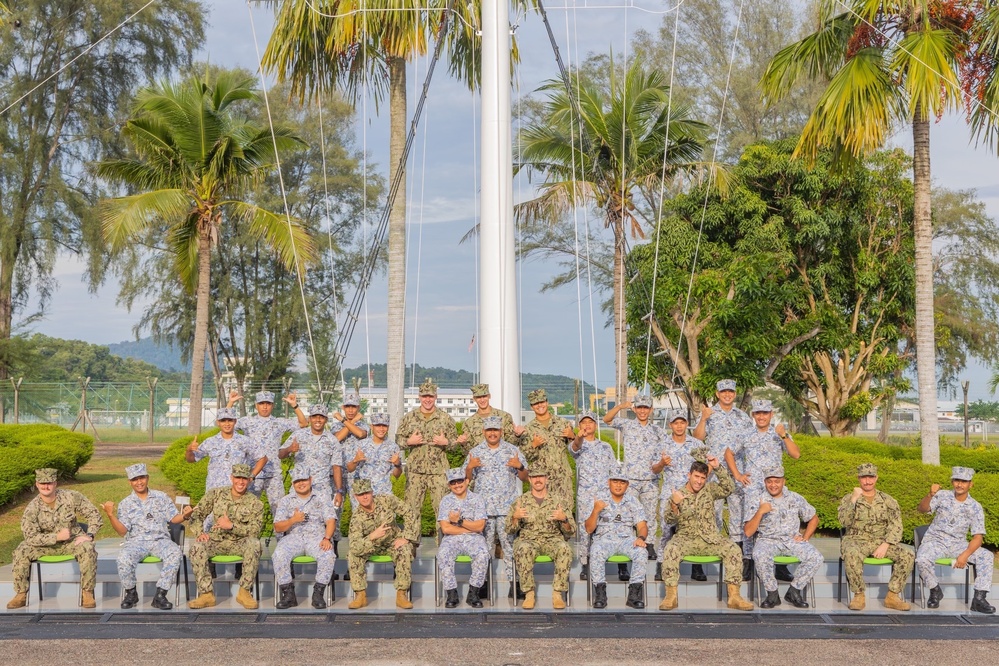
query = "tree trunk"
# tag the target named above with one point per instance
(396, 352)
(926, 358)
(200, 332)
(6, 310)
(620, 320)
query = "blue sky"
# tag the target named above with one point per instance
(441, 299)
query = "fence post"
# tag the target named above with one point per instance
(286, 382)
(17, 398)
(151, 383)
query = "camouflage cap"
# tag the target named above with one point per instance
(428, 387)
(264, 396)
(300, 473)
(362, 486)
(675, 414)
(761, 406)
(492, 423)
(136, 470)
(867, 469)
(725, 385)
(351, 400)
(700, 454)
(379, 418)
(617, 473)
(776, 472)
(480, 390)
(586, 414)
(961, 473)
(455, 474)
(241, 471)
(537, 470)
(536, 396)
(46, 475)
(319, 410)
(642, 400)
(226, 414)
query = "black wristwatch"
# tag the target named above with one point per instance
(461, 521)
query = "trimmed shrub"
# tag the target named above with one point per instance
(23, 449)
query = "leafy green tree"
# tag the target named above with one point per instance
(980, 410)
(63, 97)
(195, 157)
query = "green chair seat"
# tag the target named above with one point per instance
(618, 559)
(878, 561)
(380, 559)
(303, 559)
(226, 559)
(944, 561)
(542, 558)
(701, 559)
(786, 559)
(55, 559)
(150, 559)
(463, 558)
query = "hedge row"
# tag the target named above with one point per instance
(23, 449)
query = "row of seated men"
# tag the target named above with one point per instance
(537, 521)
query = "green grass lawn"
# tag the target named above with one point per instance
(101, 479)
(135, 436)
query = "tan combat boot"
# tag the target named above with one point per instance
(557, 602)
(896, 602)
(858, 602)
(735, 599)
(88, 600)
(246, 600)
(669, 601)
(204, 600)
(528, 600)
(402, 599)
(20, 600)
(360, 600)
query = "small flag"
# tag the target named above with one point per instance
(471, 344)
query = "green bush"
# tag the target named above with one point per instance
(23, 449)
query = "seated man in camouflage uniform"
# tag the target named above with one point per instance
(374, 531)
(237, 517)
(143, 518)
(541, 525)
(692, 510)
(618, 525)
(50, 527)
(873, 524)
(775, 520)
(461, 517)
(308, 521)
(956, 514)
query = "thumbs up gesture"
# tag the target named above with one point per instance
(224, 523)
(558, 514)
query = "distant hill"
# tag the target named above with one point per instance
(165, 357)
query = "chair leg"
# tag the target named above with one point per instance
(721, 579)
(839, 581)
(38, 567)
(437, 583)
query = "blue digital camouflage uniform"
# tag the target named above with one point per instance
(947, 536)
(674, 477)
(725, 430)
(266, 435)
(593, 466)
(452, 545)
(643, 446)
(473, 427)
(758, 452)
(376, 466)
(868, 524)
(319, 453)
(222, 455)
(615, 535)
(148, 534)
(776, 533)
(498, 486)
(304, 538)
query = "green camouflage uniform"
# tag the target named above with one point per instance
(697, 532)
(426, 464)
(553, 455)
(247, 516)
(868, 524)
(39, 524)
(362, 523)
(538, 534)
(472, 426)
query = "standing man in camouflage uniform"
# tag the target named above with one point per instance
(472, 429)
(873, 524)
(426, 433)
(956, 514)
(594, 459)
(762, 450)
(644, 446)
(775, 520)
(496, 469)
(374, 531)
(675, 464)
(541, 525)
(49, 525)
(143, 518)
(266, 432)
(691, 509)
(224, 449)
(308, 522)
(544, 444)
(461, 518)
(617, 523)
(377, 459)
(318, 449)
(237, 517)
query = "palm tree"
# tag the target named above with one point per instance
(606, 149)
(888, 63)
(194, 155)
